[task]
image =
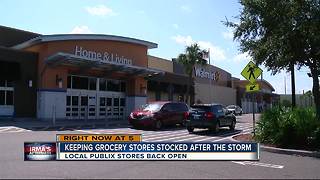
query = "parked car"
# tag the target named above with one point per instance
(158, 114)
(236, 110)
(211, 116)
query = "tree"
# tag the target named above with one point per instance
(281, 34)
(193, 55)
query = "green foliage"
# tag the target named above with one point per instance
(286, 103)
(280, 34)
(193, 55)
(282, 126)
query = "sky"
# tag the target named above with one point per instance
(172, 24)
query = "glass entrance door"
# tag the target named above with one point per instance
(111, 107)
(6, 98)
(81, 105)
(92, 107)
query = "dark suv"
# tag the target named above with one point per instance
(159, 113)
(212, 116)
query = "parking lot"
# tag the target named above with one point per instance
(271, 165)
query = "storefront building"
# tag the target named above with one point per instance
(83, 76)
(89, 76)
(210, 83)
(171, 86)
(257, 101)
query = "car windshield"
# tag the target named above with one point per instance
(151, 107)
(231, 107)
(201, 108)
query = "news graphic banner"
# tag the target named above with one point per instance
(131, 147)
(40, 151)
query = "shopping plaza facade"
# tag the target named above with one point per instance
(88, 76)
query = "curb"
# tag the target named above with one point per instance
(67, 125)
(315, 154)
(290, 151)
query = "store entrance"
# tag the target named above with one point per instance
(111, 106)
(6, 98)
(94, 105)
(95, 98)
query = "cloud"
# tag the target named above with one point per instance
(176, 26)
(185, 8)
(242, 57)
(216, 53)
(184, 40)
(100, 10)
(81, 30)
(228, 34)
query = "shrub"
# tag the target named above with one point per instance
(286, 103)
(284, 127)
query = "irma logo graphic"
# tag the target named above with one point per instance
(39, 151)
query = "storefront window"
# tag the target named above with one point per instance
(116, 102)
(69, 82)
(84, 100)
(68, 100)
(113, 85)
(9, 83)
(79, 82)
(2, 83)
(75, 101)
(102, 85)
(123, 87)
(9, 97)
(92, 84)
(122, 102)
(2, 97)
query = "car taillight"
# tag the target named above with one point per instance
(209, 115)
(186, 115)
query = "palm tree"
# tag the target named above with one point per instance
(193, 55)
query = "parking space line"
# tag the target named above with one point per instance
(120, 132)
(170, 135)
(191, 138)
(157, 133)
(205, 139)
(22, 130)
(90, 132)
(4, 129)
(244, 163)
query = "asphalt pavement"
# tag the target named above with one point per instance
(271, 165)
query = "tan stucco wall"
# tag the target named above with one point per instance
(159, 63)
(207, 93)
(47, 75)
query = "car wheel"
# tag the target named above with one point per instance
(216, 128)
(233, 125)
(158, 125)
(190, 129)
(240, 114)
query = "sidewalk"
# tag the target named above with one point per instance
(31, 123)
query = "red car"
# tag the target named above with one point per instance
(158, 114)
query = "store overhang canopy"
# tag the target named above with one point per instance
(66, 59)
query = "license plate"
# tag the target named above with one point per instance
(196, 117)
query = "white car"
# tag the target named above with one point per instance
(236, 110)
